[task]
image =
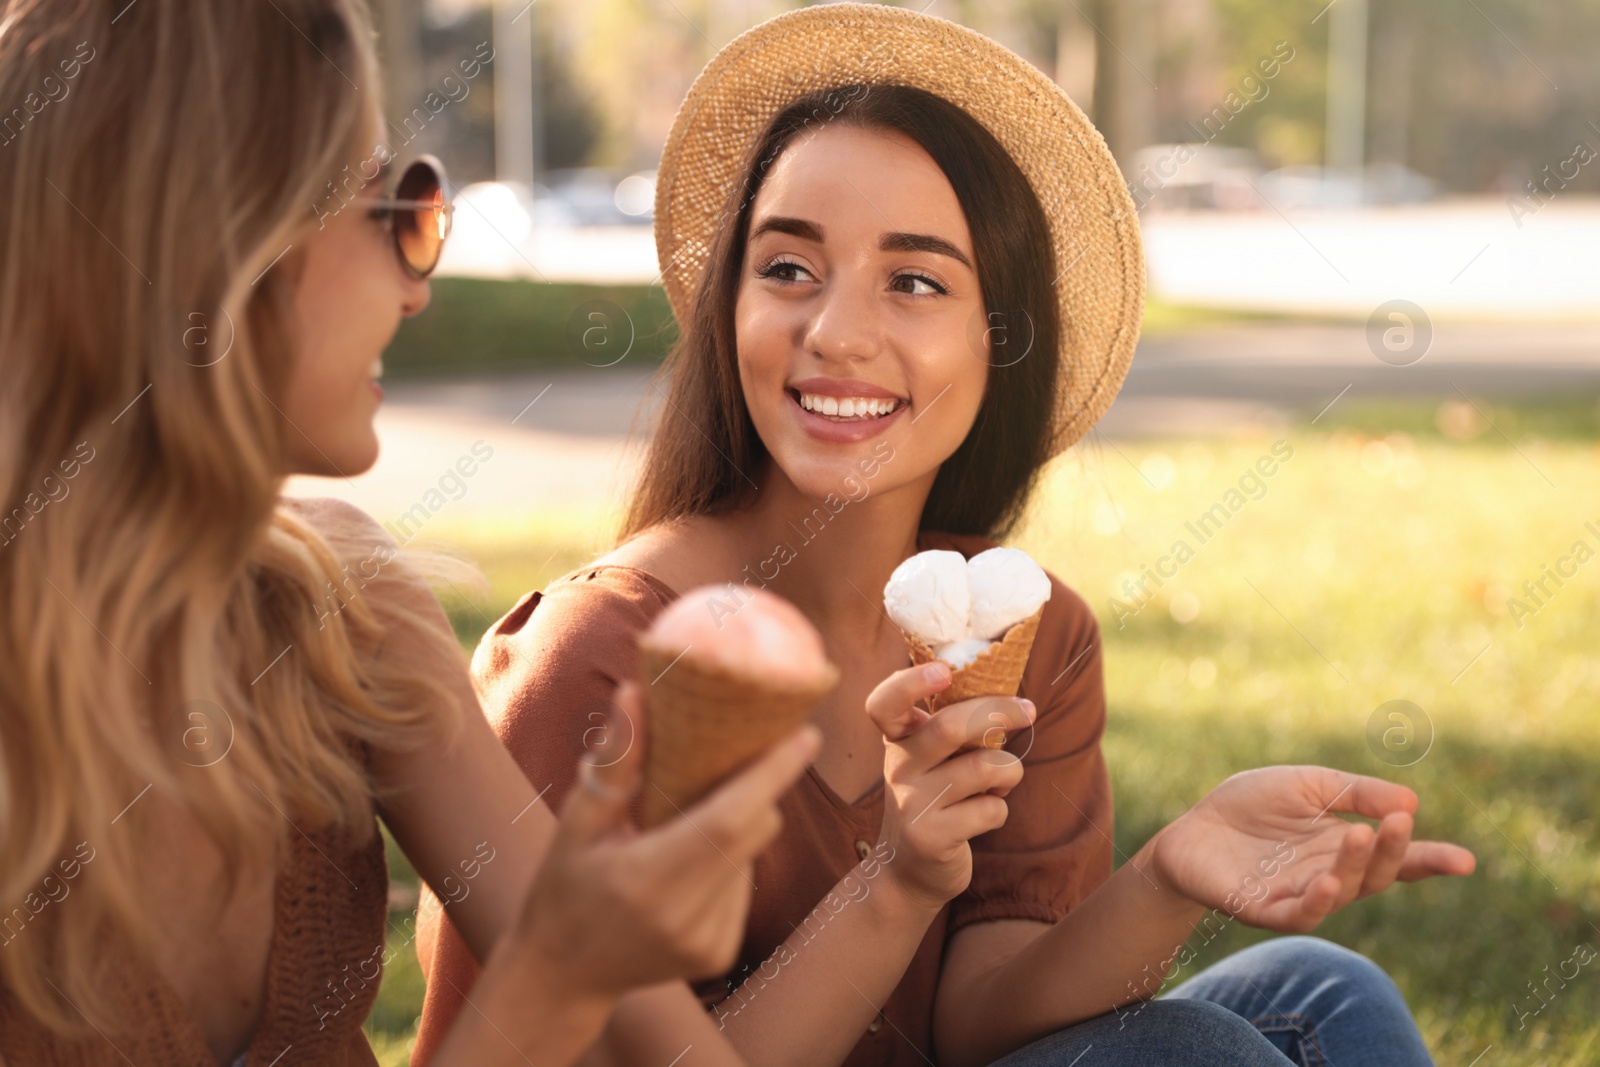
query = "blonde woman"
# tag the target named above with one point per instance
(207, 692)
(908, 274)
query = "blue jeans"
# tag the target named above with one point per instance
(1295, 1000)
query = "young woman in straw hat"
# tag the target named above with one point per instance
(207, 692)
(908, 273)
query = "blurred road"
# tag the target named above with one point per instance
(1467, 258)
(560, 438)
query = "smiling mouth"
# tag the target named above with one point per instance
(847, 408)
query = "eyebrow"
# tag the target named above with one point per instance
(888, 242)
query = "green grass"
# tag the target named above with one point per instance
(1377, 566)
(476, 325)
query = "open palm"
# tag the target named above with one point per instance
(1268, 847)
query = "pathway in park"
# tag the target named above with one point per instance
(559, 440)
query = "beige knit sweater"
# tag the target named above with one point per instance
(330, 915)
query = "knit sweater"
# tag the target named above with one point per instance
(330, 913)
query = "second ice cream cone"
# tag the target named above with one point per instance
(706, 721)
(996, 672)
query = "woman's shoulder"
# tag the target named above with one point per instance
(338, 522)
(598, 595)
(576, 635)
(393, 581)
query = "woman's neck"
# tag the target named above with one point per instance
(830, 557)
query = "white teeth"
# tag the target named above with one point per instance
(377, 368)
(850, 407)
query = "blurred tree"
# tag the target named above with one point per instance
(1465, 91)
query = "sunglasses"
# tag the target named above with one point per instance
(419, 215)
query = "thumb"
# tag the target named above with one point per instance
(609, 772)
(893, 704)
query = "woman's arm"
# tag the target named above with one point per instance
(645, 908)
(459, 807)
(941, 789)
(612, 910)
(1265, 847)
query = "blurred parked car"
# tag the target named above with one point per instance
(1320, 187)
(591, 196)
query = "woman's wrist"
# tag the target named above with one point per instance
(893, 902)
(525, 1008)
(1165, 896)
(532, 981)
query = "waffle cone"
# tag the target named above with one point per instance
(705, 723)
(996, 672)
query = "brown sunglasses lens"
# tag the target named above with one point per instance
(420, 232)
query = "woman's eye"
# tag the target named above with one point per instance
(928, 286)
(781, 269)
(382, 216)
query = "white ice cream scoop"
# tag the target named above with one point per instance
(960, 653)
(927, 596)
(1005, 586)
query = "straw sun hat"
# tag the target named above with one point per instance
(1094, 233)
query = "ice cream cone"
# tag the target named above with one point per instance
(705, 722)
(996, 672)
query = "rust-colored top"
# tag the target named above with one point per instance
(329, 918)
(556, 657)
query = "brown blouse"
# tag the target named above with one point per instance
(556, 657)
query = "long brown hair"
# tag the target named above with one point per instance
(692, 467)
(166, 154)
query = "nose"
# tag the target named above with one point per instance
(415, 294)
(845, 326)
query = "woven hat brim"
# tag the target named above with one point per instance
(1094, 234)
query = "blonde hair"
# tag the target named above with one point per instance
(158, 158)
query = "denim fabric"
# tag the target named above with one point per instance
(1298, 1000)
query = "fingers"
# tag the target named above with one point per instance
(1299, 913)
(968, 818)
(1350, 864)
(979, 723)
(1299, 909)
(974, 772)
(607, 784)
(892, 704)
(1388, 853)
(1425, 859)
(1360, 794)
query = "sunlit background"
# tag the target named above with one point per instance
(1374, 246)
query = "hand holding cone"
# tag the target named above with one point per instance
(727, 673)
(979, 615)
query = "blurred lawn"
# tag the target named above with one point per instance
(1376, 566)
